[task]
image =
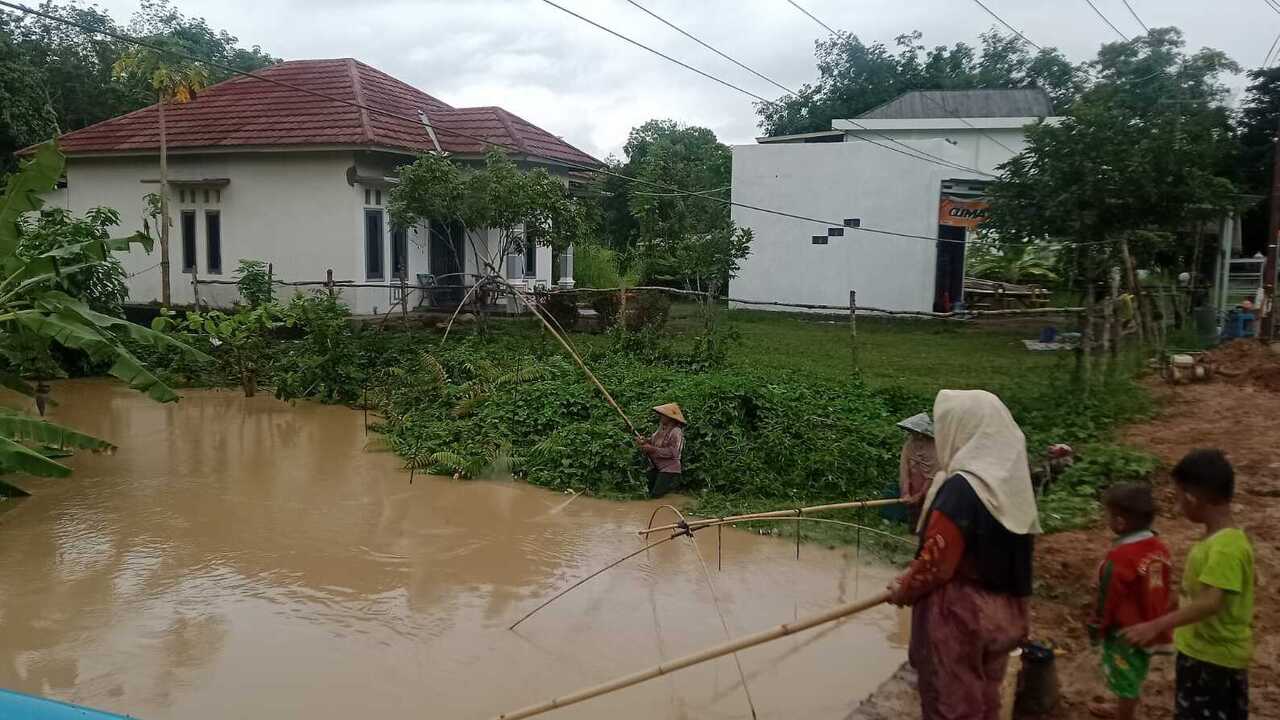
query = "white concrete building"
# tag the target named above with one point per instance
(260, 171)
(859, 178)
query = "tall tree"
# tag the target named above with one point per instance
(57, 78)
(1142, 155)
(854, 77)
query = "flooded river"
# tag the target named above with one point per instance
(250, 559)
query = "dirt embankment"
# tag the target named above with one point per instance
(1241, 417)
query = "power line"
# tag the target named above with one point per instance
(813, 17)
(483, 141)
(694, 38)
(1271, 4)
(1275, 42)
(1134, 13)
(1106, 20)
(789, 91)
(911, 152)
(1011, 28)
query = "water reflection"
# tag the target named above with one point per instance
(249, 558)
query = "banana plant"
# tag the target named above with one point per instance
(35, 306)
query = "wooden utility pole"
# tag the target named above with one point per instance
(165, 295)
(1273, 229)
(853, 328)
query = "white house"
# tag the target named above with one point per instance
(266, 172)
(858, 177)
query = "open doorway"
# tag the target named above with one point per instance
(949, 279)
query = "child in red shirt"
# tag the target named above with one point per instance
(1133, 588)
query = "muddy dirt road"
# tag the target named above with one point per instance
(247, 558)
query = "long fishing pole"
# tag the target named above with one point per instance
(572, 353)
(701, 656)
(793, 512)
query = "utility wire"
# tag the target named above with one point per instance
(911, 152)
(565, 163)
(694, 38)
(1107, 20)
(1000, 20)
(1275, 42)
(1134, 13)
(789, 91)
(813, 17)
(1271, 4)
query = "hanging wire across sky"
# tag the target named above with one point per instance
(1107, 20)
(483, 141)
(813, 17)
(907, 150)
(1134, 13)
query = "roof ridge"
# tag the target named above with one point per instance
(407, 86)
(366, 132)
(505, 118)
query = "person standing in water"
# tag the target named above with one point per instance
(664, 449)
(971, 580)
(917, 464)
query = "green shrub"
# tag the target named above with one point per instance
(595, 267)
(1101, 465)
(563, 308)
(776, 435)
(253, 279)
(323, 362)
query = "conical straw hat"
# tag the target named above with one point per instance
(672, 411)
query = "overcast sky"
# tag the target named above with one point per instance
(592, 88)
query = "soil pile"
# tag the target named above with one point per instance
(1247, 362)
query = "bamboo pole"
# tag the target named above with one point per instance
(701, 656)
(708, 522)
(853, 328)
(574, 354)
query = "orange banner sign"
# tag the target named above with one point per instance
(961, 213)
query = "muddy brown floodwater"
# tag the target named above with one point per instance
(250, 559)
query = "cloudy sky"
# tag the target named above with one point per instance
(592, 88)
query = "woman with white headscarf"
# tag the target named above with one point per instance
(971, 578)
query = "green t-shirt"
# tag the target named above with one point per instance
(1223, 560)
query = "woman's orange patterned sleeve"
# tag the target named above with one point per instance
(935, 565)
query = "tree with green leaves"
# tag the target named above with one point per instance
(672, 237)
(1144, 154)
(37, 308)
(56, 78)
(854, 77)
(492, 210)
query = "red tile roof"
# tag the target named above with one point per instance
(244, 112)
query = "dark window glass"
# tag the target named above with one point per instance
(206, 196)
(853, 222)
(367, 195)
(377, 197)
(373, 244)
(819, 239)
(530, 258)
(400, 253)
(213, 241)
(188, 241)
(835, 232)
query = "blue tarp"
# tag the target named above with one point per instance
(28, 707)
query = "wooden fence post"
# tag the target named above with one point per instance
(271, 288)
(853, 328)
(404, 301)
(195, 286)
(328, 281)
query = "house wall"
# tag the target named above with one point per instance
(294, 210)
(885, 190)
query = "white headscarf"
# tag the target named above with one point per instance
(978, 438)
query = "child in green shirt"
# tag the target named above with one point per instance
(1213, 624)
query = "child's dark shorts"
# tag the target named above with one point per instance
(1210, 692)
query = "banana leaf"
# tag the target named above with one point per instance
(22, 192)
(16, 457)
(71, 331)
(20, 427)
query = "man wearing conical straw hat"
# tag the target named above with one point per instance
(663, 449)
